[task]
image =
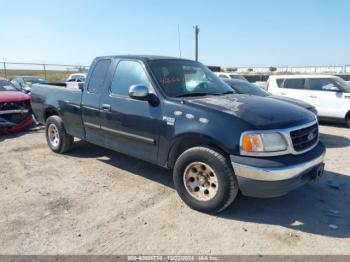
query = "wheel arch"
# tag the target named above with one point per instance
(347, 115)
(183, 142)
(50, 111)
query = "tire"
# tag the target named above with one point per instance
(188, 180)
(56, 136)
(348, 121)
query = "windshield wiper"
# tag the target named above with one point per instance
(228, 92)
(194, 94)
(206, 94)
(222, 94)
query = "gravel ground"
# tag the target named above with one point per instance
(95, 201)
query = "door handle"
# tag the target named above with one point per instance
(106, 107)
(283, 93)
(313, 96)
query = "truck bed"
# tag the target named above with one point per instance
(60, 96)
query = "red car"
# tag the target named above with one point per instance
(15, 108)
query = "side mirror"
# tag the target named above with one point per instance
(139, 92)
(27, 89)
(81, 85)
(334, 89)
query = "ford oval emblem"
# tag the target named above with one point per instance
(310, 136)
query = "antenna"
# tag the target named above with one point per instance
(179, 38)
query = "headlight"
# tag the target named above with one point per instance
(255, 142)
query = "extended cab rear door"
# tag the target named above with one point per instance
(90, 104)
(130, 126)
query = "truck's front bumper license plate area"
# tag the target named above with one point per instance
(317, 172)
(278, 173)
(274, 182)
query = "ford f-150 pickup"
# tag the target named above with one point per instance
(177, 114)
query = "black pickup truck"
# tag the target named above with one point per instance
(177, 114)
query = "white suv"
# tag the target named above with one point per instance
(330, 95)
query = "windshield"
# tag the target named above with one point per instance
(180, 78)
(246, 88)
(7, 86)
(239, 77)
(345, 86)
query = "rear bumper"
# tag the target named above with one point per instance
(276, 176)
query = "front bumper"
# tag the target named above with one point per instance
(8, 127)
(276, 176)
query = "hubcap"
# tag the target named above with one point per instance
(200, 181)
(53, 135)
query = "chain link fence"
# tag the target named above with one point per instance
(50, 72)
(60, 72)
(297, 70)
(347, 69)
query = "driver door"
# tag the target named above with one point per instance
(130, 126)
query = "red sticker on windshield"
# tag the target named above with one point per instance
(171, 80)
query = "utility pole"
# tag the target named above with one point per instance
(196, 31)
(5, 70)
(45, 71)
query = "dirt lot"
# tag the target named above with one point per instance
(95, 201)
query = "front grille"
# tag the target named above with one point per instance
(304, 138)
(20, 105)
(14, 112)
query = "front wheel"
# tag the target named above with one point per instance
(204, 180)
(56, 136)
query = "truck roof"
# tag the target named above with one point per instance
(143, 57)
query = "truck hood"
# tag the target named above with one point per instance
(293, 101)
(260, 112)
(13, 96)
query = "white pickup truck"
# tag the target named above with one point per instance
(330, 95)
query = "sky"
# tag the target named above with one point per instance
(233, 33)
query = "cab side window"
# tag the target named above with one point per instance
(98, 75)
(294, 83)
(128, 73)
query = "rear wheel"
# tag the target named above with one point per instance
(348, 121)
(56, 136)
(204, 180)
